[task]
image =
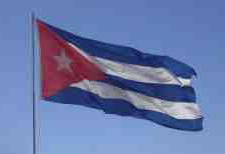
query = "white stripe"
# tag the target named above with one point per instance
(133, 72)
(179, 110)
(185, 82)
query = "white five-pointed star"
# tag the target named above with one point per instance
(63, 62)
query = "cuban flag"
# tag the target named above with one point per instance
(117, 79)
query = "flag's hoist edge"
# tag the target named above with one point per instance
(173, 105)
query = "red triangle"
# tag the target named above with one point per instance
(53, 79)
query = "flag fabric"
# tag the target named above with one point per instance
(117, 79)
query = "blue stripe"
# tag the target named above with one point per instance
(77, 96)
(125, 54)
(162, 91)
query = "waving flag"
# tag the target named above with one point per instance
(117, 79)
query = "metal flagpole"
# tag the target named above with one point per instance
(33, 86)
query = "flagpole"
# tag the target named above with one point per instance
(33, 85)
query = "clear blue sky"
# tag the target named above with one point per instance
(191, 31)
